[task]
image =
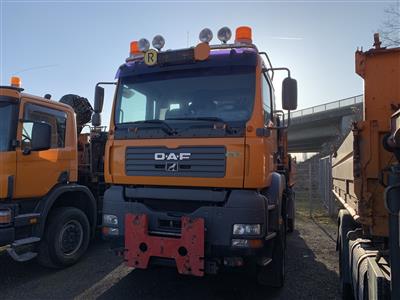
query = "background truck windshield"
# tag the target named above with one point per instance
(8, 123)
(224, 93)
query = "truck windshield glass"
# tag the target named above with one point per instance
(223, 93)
(8, 124)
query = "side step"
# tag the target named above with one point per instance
(264, 261)
(25, 256)
(270, 236)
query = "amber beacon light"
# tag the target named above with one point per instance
(135, 48)
(243, 35)
(15, 81)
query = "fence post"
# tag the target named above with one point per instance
(310, 187)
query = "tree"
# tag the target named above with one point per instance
(390, 30)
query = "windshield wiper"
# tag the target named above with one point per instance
(162, 124)
(207, 119)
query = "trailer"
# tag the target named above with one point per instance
(365, 173)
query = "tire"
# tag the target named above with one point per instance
(345, 287)
(66, 238)
(290, 225)
(273, 274)
(291, 212)
(346, 224)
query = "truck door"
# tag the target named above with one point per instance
(39, 171)
(8, 125)
(270, 146)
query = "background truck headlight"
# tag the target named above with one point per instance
(246, 229)
(110, 220)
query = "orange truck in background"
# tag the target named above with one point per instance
(366, 181)
(51, 176)
(196, 159)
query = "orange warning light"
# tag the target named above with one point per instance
(243, 34)
(15, 81)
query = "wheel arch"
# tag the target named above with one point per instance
(74, 195)
(275, 191)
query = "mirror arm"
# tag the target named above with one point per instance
(279, 69)
(284, 126)
(105, 83)
(269, 62)
(288, 119)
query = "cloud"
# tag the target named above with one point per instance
(289, 38)
(34, 69)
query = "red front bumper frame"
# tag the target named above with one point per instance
(188, 250)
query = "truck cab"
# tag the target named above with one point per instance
(192, 158)
(46, 212)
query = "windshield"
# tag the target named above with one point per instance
(219, 93)
(8, 124)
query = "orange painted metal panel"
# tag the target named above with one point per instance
(361, 158)
(7, 168)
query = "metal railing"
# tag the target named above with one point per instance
(328, 106)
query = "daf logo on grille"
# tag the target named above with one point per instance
(172, 156)
(171, 167)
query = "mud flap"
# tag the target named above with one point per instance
(187, 251)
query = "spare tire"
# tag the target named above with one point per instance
(82, 107)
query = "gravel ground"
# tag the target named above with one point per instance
(312, 273)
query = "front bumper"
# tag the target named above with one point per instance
(237, 207)
(187, 251)
(7, 236)
(21, 226)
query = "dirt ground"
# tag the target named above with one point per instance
(312, 273)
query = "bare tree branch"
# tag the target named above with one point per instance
(390, 30)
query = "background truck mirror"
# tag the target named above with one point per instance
(96, 119)
(289, 94)
(40, 136)
(98, 99)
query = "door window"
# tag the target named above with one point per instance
(55, 118)
(267, 100)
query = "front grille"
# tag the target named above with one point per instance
(202, 162)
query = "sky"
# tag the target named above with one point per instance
(63, 47)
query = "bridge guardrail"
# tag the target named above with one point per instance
(328, 106)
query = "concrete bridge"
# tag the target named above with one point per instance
(320, 127)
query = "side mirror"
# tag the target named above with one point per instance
(98, 105)
(38, 138)
(289, 94)
(98, 99)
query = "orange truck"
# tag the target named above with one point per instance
(51, 176)
(366, 181)
(196, 159)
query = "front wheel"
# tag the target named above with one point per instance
(66, 238)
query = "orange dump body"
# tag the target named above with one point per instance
(361, 160)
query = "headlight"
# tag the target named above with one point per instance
(5, 216)
(242, 243)
(110, 220)
(239, 243)
(158, 42)
(143, 45)
(224, 34)
(206, 35)
(246, 229)
(109, 231)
